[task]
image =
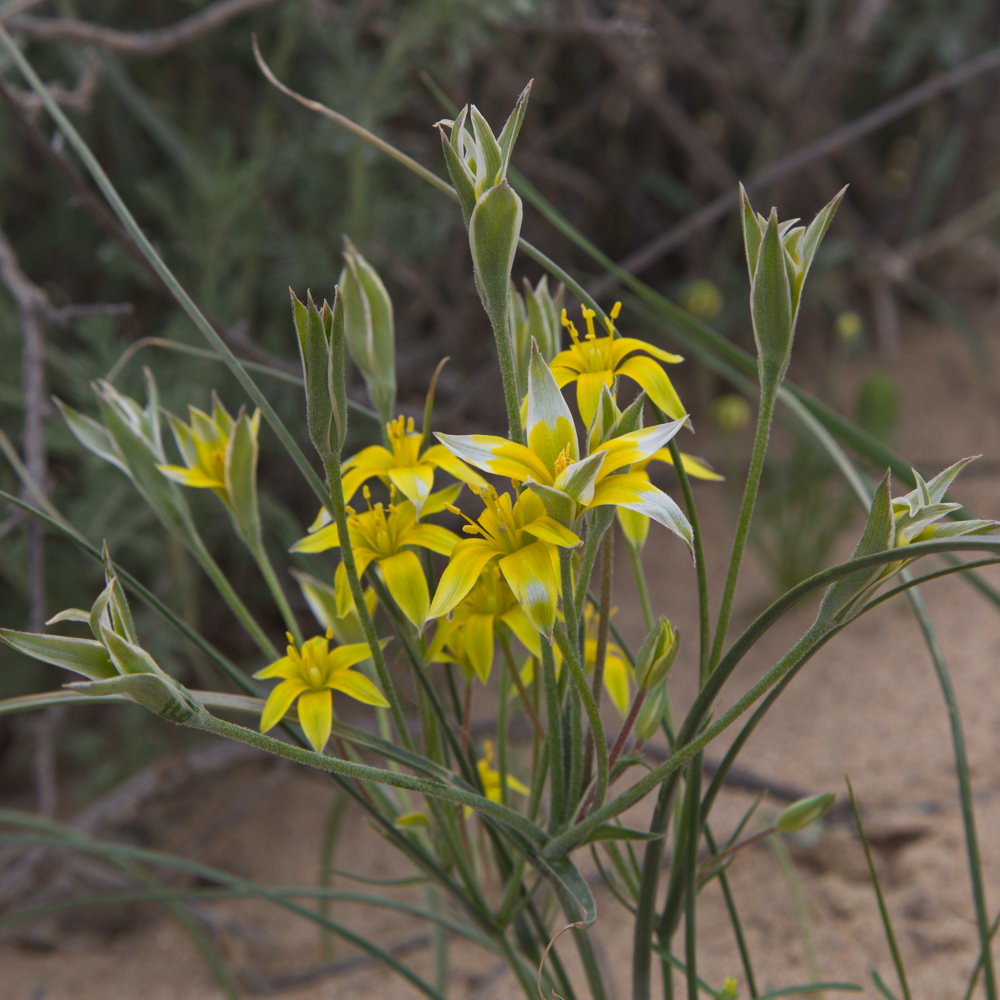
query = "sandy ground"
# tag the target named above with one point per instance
(868, 706)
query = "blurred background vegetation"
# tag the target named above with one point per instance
(643, 118)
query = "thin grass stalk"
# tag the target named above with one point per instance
(890, 935)
(692, 817)
(964, 790)
(639, 574)
(554, 740)
(765, 415)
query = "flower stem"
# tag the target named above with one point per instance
(259, 553)
(765, 414)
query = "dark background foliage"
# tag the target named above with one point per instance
(643, 118)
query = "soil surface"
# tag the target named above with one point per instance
(868, 706)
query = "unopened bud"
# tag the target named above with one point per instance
(657, 655)
(652, 713)
(804, 813)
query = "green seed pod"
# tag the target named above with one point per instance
(493, 233)
(804, 813)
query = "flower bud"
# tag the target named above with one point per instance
(657, 655)
(494, 229)
(779, 255)
(320, 333)
(651, 713)
(534, 315)
(804, 813)
(369, 329)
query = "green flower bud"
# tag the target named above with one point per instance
(651, 712)
(534, 315)
(779, 255)
(320, 333)
(493, 233)
(369, 329)
(476, 159)
(804, 813)
(656, 655)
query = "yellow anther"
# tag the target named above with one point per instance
(329, 633)
(452, 509)
(290, 638)
(410, 425)
(471, 529)
(563, 461)
(616, 310)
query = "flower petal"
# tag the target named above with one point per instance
(283, 668)
(430, 536)
(355, 685)
(405, 580)
(588, 392)
(468, 560)
(477, 642)
(414, 482)
(438, 455)
(191, 477)
(548, 529)
(497, 455)
(279, 701)
(549, 427)
(624, 346)
(518, 623)
(616, 680)
(319, 541)
(316, 717)
(633, 491)
(637, 446)
(696, 468)
(635, 527)
(532, 575)
(651, 376)
(346, 656)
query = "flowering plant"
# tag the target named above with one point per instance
(415, 593)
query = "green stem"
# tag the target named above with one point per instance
(364, 772)
(639, 573)
(554, 738)
(692, 817)
(701, 571)
(339, 511)
(765, 415)
(964, 790)
(571, 658)
(508, 373)
(598, 522)
(569, 594)
(259, 553)
(233, 600)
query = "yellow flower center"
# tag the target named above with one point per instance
(376, 528)
(594, 353)
(563, 461)
(404, 441)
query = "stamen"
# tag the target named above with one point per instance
(588, 316)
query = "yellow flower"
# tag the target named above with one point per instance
(467, 638)
(523, 538)
(490, 777)
(386, 536)
(595, 362)
(206, 444)
(310, 674)
(403, 465)
(551, 463)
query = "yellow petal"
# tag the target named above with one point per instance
(477, 640)
(191, 477)
(497, 455)
(280, 701)
(517, 786)
(696, 468)
(405, 580)
(439, 455)
(616, 681)
(624, 346)
(588, 393)
(414, 482)
(548, 529)
(316, 717)
(430, 536)
(283, 668)
(635, 527)
(344, 657)
(651, 376)
(355, 685)
(468, 560)
(318, 541)
(533, 578)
